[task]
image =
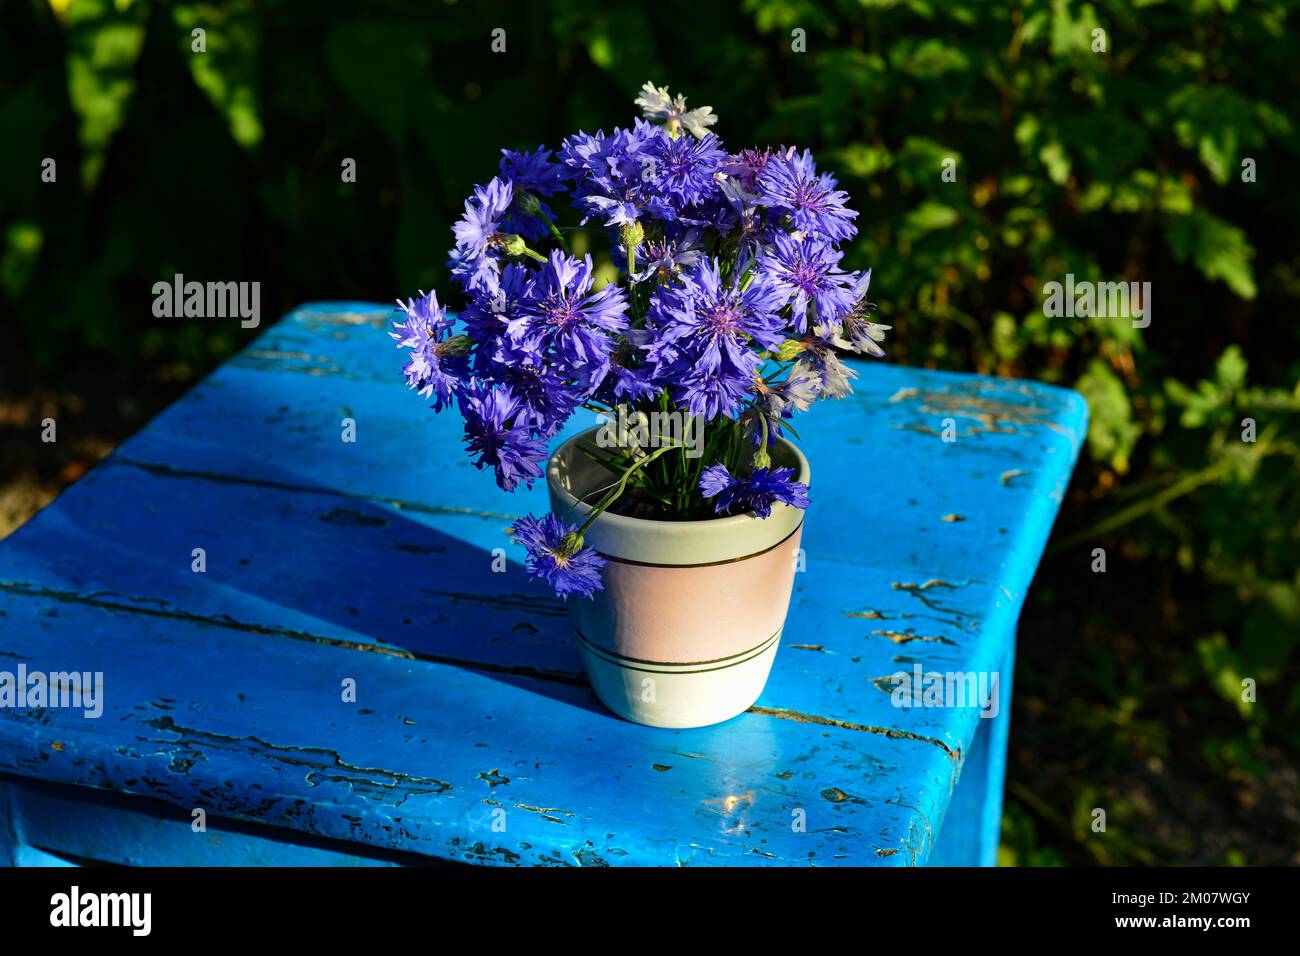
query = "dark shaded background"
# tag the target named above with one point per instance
(1122, 164)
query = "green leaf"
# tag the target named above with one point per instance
(1230, 370)
(1218, 122)
(104, 43)
(1112, 433)
(22, 246)
(1223, 668)
(227, 71)
(927, 59)
(1219, 249)
(928, 217)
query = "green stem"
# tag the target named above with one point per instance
(555, 231)
(613, 494)
(1183, 486)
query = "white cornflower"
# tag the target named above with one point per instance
(658, 104)
(856, 332)
(835, 375)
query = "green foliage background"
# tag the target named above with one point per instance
(1122, 164)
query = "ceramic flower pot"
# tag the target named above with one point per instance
(687, 627)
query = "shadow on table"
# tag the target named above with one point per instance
(304, 561)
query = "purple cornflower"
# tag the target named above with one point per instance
(625, 382)
(438, 361)
(662, 260)
(605, 164)
(493, 434)
(738, 209)
(556, 555)
(546, 395)
(566, 318)
(487, 317)
(757, 493)
(533, 172)
(682, 169)
(807, 272)
(531, 176)
(747, 165)
(706, 333)
(613, 174)
(790, 183)
(475, 261)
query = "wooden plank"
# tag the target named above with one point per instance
(998, 484)
(253, 728)
(403, 588)
(372, 560)
(85, 825)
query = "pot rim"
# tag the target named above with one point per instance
(627, 523)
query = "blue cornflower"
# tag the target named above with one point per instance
(556, 555)
(493, 433)
(438, 361)
(737, 209)
(662, 260)
(790, 183)
(625, 382)
(718, 320)
(600, 163)
(807, 272)
(487, 316)
(757, 493)
(533, 172)
(708, 334)
(612, 174)
(747, 165)
(565, 318)
(683, 168)
(475, 261)
(546, 396)
(531, 175)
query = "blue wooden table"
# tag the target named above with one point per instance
(227, 732)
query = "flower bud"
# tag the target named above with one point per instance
(513, 245)
(632, 234)
(570, 544)
(789, 350)
(456, 345)
(529, 204)
(762, 459)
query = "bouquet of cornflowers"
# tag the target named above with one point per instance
(728, 303)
